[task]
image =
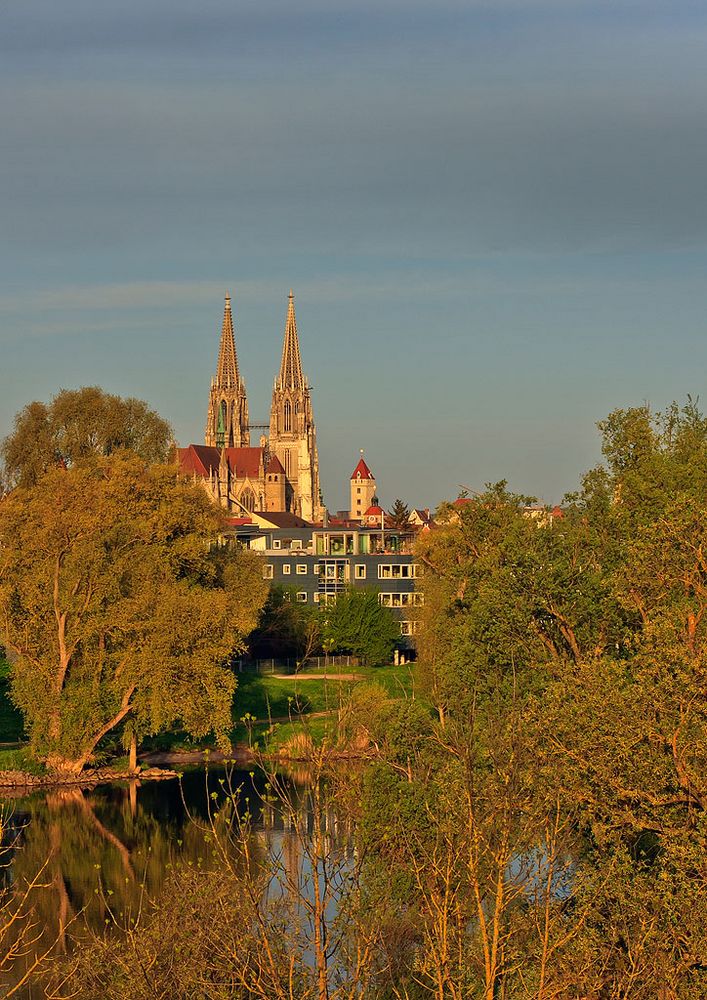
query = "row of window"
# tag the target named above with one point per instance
(406, 627)
(302, 597)
(401, 600)
(388, 571)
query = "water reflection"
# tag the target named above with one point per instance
(110, 848)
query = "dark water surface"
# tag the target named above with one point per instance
(108, 849)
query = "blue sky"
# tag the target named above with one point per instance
(492, 213)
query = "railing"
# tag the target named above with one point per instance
(291, 665)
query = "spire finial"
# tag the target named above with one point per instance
(291, 295)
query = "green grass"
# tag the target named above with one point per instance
(11, 724)
(293, 698)
(19, 760)
(261, 696)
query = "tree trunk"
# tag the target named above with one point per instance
(132, 765)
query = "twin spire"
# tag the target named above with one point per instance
(227, 374)
(292, 437)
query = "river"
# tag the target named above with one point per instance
(108, 849)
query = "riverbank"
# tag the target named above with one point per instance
(26, 781)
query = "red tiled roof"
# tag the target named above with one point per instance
(236, 522)
(373, 511)
(198, 458)
(362, 471)
(202, 459)
(461, 502)
(275, 465)
(244, 462)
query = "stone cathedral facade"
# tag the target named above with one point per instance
(281, 474)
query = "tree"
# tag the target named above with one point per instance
(118, 601)
(287, 627)
(568, 662)
(357, 623)
(399, 516)
(78, 424)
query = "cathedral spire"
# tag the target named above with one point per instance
(227, 417)
(293, 436)
(291, 368)
(227, 374)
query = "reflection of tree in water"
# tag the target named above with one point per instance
(112, 848)
(102, 850)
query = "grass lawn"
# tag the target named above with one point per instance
(266, 696)
(290, 699)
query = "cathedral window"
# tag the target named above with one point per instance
(287, 460)
(221, 425)
(248, 500)
(288, 416)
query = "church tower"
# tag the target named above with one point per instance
(363, 490)
(292, 431)
(227, 420)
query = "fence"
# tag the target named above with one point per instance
(290, 664)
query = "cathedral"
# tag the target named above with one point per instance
(281, 473)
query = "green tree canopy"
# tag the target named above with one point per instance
(118, 602)
(399, 515)
(357, 623)
(287, 628)
(78, 424)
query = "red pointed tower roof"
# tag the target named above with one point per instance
(362, 471)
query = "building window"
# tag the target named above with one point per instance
(397, 571)
(248, 500)
(286, 569)
(287, 462)
(398, 600)
(267, 571)
(296, 543)
(301, 596)
(408, 628)
(301, 569)
(358, 489)
(288, 416)
(316, 569)
(315, 598)
(360, 572)
(276, 543)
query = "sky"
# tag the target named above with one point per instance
(492, 213)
